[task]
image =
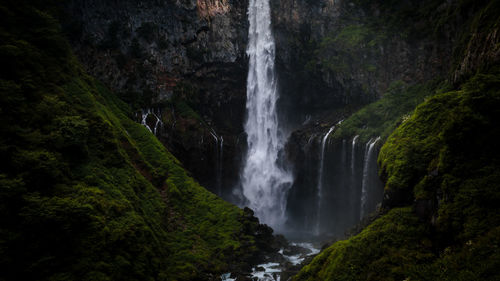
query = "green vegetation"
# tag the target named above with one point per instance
(392, 248)
(347, 49)
(447, 150)
(383, 116)
(440, 217)
(442, 164)
(85, 192)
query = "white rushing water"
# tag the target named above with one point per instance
(227, 277)
(320, 179)
(299, 258)
(264, 182)
(366, 172)
(271, 272)
(144, 117)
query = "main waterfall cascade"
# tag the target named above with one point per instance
(264, 182)
(331, 193)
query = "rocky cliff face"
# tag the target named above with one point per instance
(155, 52)
(145, 48)
(337, 54)
(186, 59)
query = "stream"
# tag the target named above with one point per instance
(272, 271)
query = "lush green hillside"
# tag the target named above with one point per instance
(442, 163)
(85, 192)
(383, 116)
(440, 215)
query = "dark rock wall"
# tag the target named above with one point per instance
(332, 54)
(150, 51)
(160, 41)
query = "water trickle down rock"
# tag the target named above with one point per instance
(320, 179)
(366, 175)
(144, 120)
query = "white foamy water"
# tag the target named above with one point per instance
(264, 182)
(270, 273)
(272, 270)
(226, 277)
(299, 258)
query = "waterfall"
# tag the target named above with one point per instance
(219, 153)
(143, 121)
(263, 181)
(353, 155)
(354, 183)
(366, 172)
(320, 179)
(144, 117)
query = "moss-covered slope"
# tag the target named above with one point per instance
(439, 218)
(85, 192)
(443, 164)
(381, 118)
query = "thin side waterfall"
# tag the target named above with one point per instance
(366, 172)
(353, 155)
(354, 181)
(264, 182)
(320, 179)
(219, 153)
(144, 120)
(220, 157)
(144, 117)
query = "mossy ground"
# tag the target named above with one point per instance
(388, 249)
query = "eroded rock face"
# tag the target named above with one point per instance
(143, 49)
(173, 37)
(148, 51)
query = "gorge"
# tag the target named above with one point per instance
(249, 140)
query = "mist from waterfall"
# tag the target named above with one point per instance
(264, 183)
